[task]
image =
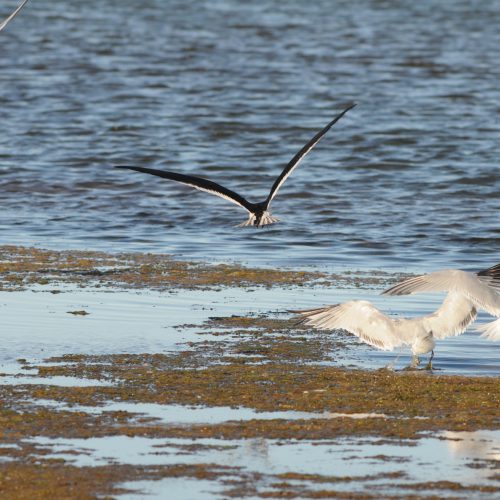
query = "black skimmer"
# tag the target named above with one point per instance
(259, 214)
(467, 293)
(12, 16)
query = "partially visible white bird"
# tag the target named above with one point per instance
(480, 289)
(12, 16)
(466, 294)
(491, 276)
(490, 331)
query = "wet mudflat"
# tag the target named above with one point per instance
(208, 387)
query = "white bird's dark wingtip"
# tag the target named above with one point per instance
(492, 272)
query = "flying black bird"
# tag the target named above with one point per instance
(4, 23)
(259, 214)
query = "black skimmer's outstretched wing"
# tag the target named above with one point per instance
(198, 183)
(258, 214)
(294, 162)
(12, 16)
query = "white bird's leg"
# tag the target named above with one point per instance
(415, 361)
(429, 364)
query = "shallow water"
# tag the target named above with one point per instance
(408, 179)
(450, 457)
(150, 322)
(185, 415)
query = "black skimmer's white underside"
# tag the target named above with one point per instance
(259, 213)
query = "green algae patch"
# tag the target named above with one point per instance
(23, 268)
(414, 401)
(79, 313)
(48, 479)
(261, 339)
(411, 405)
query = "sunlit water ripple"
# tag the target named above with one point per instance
(228, 90)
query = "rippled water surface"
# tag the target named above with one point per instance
(231, 90)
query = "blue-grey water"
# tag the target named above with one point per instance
(231, 90)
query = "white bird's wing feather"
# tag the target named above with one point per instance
(490, 331)
(456, 313)
(479, 293)
(12, 16)
(359, 317)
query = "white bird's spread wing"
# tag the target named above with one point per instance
(490, 331)
(198, 183)
(294, 162)
(479, 293)
(359, 317)
(456, 313)
(12, 16)
(439, 281)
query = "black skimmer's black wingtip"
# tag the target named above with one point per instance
(348, 108)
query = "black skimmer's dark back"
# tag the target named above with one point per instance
(12, 16)
(259, 214)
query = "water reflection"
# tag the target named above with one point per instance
(474, 445)
(428, 459)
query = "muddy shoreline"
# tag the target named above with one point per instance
(22, 268)
(256, 362)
